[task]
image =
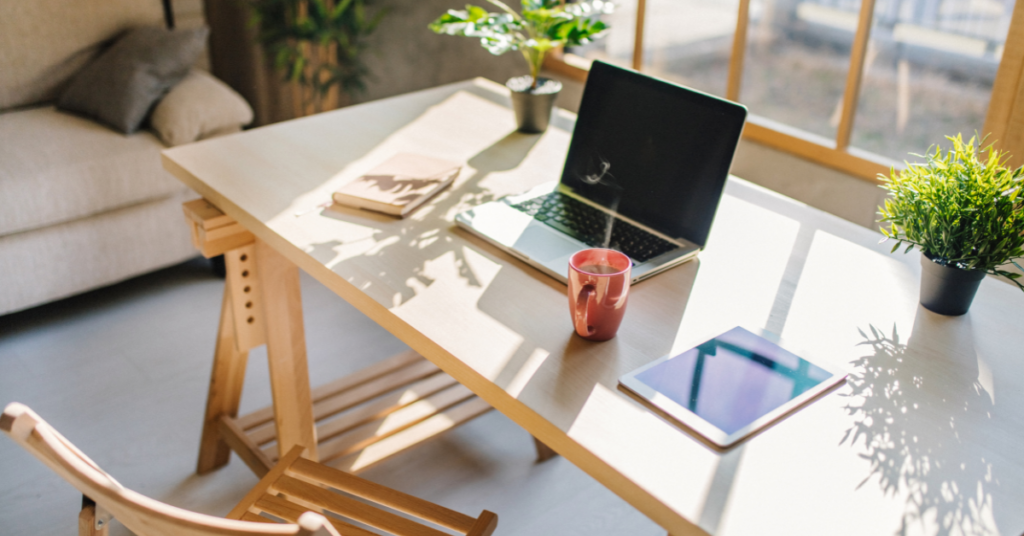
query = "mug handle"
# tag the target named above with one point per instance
(580, 312)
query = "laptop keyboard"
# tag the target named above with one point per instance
(590, 226)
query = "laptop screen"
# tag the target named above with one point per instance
(653, 151)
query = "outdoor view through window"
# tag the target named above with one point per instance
(929, 65)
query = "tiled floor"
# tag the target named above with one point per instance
(122, 373)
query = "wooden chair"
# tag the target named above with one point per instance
(294, 491)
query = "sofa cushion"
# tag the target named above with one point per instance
(198, 107)
(121, 86)
(43, 43)
(56, 167)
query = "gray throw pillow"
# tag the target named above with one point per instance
(121, 86)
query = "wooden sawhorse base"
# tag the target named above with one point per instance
(352, 423)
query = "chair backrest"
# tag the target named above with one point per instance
(142, 515)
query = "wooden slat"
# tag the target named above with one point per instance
(353, 397)
(249, 516)
(369, 433)
(286, 350)
(291, 512)
(374, 389)
(485, 524)
(390, 364)
(264, 484)
(638, 37)
(413, 436)
(328, 500)
(246, 449)
(225, 391)
(385, 406)
(739, 51)
(340, 480)
(856, 74)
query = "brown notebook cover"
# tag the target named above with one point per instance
(399, 184)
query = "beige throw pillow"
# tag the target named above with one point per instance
(198, 107)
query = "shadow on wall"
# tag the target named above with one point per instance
(404, 55)
(916, 428)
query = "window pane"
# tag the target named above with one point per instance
(798, 56)
(929, 72)
(617, 44)
(689, 41)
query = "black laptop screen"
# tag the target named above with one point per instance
(653, 151)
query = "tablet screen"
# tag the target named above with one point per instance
(734, 379)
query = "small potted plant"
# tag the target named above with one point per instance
(543, 25)
(965, 214)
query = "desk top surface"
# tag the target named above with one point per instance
(924, 438)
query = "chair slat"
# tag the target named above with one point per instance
(485, 524)
(379, 494)
(328, 500)
(264, 484)
(290, 512)
(249, 516)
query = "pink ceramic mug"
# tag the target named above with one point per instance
(598, 288)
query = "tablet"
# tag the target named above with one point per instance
(732, 385)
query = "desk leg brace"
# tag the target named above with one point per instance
(240, 330)
(263, 305)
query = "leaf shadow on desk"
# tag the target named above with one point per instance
(916, 413)
(392, 240)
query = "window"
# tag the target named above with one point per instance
(854, 85)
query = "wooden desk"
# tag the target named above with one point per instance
(924, 439)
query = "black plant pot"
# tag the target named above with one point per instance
(533, 106)
(947, 290)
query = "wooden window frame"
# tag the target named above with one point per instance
(835, 154)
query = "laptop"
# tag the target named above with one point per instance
(645, 171)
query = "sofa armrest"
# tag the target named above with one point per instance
(199, 107)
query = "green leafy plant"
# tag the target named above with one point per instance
(317, 44)
(542, 26)
(960, 210)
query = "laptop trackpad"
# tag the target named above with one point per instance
(545, 245)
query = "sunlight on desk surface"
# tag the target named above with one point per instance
(924, 439)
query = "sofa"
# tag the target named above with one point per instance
(81, 205)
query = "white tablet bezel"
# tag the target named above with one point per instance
(711, 433)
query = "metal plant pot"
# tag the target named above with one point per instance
(947, 290)
(533, 106)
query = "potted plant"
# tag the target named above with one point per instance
(316, 45)
(543, 26)
(965, 214)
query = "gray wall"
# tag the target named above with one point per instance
(404, 55)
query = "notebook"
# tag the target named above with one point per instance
(645, 170)
(398, 185)
(733, 385)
